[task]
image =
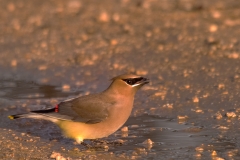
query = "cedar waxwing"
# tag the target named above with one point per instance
(96, 115)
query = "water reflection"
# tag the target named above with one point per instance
(163, 134)
(10, 89)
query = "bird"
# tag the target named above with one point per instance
(96, 115)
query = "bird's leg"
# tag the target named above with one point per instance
(116, 143)
(102, 142)
(98, 141)
(79, 140)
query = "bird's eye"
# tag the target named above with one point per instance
(130, 82)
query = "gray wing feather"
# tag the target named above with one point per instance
(88, 109)
(93, 121)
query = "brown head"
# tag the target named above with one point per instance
(127, 84)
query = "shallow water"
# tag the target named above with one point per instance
(16, 90)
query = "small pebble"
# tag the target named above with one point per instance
(182, 117)
(134, 126)
(66, 87)
(199, 111)
(230, 154)
(105, 147)
(214, 153)
(223, 127)
(116, 17)
(187, 86)
(148, 142)
(213, 28)
(199, 149)
(170, 106)
(160, 94)
(73, 7)
(195, 99)
(120, 141)
(140, 150)
(211, 41)
(221, 86)
(124, 129)
(198, 155)
(14, 63)
(218, 115)
(104, 17)
(114, 42)
(141, 72)
(233, 55)
(216, 14)
(231, 114)
(238, 110)
(42, 67)
(60, 158)
(54, 155)
(76, 149)
(11, 7)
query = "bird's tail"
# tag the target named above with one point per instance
(34, 116)
(16, 116)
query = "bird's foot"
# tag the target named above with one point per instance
(98, 141)
(116, 143)
(86, 145)
(102, 142)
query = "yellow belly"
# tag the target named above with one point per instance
(80, 131)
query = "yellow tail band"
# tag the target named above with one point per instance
(11, 117)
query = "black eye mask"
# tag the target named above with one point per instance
(132, 81)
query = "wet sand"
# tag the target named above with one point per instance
(54, 50)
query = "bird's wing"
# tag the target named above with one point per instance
(52, 113)
(89, 109)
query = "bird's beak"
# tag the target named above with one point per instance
(143, 81)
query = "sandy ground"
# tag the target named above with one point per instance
(57, 49)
